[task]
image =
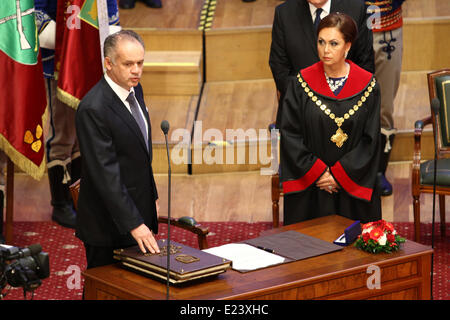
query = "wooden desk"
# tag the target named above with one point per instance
(339, 275)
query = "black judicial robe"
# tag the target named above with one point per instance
(307, 126)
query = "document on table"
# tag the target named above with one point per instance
(245, 257)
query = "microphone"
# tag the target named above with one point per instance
(165, 126)
(435, 105)
(165, 129)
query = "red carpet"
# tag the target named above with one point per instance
(67, 253)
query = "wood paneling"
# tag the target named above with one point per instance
(235, 196)
(238, 53)
(171, 39)
(231, 157)
(172, 73)
(425, 43)
(237, 105)
(181, 14)
(232, 120)
(412, 102)
(165, 60)
(180, 112)
(236, 13)
(238, 196)
(426, 8)
(185, 14)
(244, 52)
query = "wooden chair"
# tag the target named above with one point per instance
(277, 193)
(277, 189)
(423, 173)
(186, 223)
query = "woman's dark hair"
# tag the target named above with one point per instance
(344, 23)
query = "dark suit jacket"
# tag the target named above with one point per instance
(117, 191)
(294, 41)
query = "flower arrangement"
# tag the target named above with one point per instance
(379, 236)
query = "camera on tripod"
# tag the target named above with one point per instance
(22, 267)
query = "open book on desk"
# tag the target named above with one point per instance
(284, 247)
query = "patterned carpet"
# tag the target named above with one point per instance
(67, 253)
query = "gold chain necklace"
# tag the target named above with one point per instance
(340, 136)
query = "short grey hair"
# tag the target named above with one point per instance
(110, 45)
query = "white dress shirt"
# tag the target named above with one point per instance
(325, 10)
(123, 95)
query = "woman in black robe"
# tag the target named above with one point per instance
(330, 129)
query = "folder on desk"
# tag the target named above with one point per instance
(294, 245)
(275, 249)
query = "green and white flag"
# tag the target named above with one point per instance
(23, 99)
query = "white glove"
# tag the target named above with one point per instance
(48, 35)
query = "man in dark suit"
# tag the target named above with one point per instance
(294, 38)
(117, 205)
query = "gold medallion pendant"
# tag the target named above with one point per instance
(339, 137)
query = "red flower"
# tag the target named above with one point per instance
(390, 237)
(376, 233)
(367, 225)
(366, 236)
(389, 227)
(381, 224)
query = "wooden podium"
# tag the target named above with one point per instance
(344, 274)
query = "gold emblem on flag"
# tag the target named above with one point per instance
(29, 138)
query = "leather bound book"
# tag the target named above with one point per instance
(186, 263)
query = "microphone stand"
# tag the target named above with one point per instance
(165, 129)
(168, 219)
(435, 108)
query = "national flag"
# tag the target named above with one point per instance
(23, 100)
(81, 26)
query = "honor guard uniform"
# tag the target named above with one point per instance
(388, 46)
(62, 150)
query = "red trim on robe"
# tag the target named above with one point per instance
(358, 79)
(349, 185)
(304, 182)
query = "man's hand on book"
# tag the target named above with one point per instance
(145, 239)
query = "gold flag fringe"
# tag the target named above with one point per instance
(22, 162)
(67, 98)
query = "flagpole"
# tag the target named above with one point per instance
(9, 202)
